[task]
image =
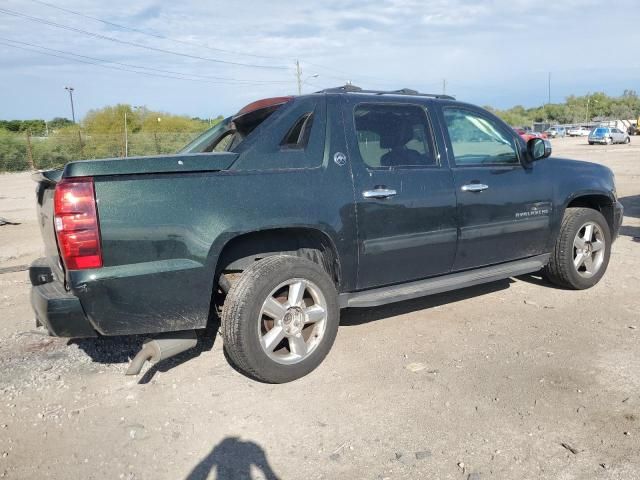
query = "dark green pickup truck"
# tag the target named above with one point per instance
(297, 207)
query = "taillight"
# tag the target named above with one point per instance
(76, 222)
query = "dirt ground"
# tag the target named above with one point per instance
(515, 379)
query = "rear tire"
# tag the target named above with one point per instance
(280, 319)
(609, 141)
(590, 143)
(582, 250)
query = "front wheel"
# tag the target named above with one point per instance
(280, 319)
(581, 254)
(627, 140)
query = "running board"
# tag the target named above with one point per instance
(452, 281)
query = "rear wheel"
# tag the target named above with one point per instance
(582, 250)
(590, 143)
(280, 319)
(609, 141)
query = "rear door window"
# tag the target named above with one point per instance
(394, 136)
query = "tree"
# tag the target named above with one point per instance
(59, 122)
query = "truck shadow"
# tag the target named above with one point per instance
(631, 209)
(358, 316)
(233, 458)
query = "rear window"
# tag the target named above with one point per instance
(231, 132)
(600, 131)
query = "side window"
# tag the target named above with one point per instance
(298, 135)
(391, 135)
(477, 140)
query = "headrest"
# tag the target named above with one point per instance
(397, 135)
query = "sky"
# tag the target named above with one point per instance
(209, 58)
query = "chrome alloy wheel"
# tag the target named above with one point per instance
(588, 250)
(292, 321)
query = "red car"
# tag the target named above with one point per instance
(526, 136)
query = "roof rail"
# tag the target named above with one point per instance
(403, 91)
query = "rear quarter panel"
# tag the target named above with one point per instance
(162, 235)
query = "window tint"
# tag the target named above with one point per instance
(477, 140)
(298, 135)
(393, 136)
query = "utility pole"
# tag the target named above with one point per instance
(73, 113)
(549, 89)
(126, 137)
(30, 151)
(299, 77)
(444, 86)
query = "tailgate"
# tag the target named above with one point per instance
(46, 181)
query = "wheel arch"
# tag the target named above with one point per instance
(600, 202)
(244, 249)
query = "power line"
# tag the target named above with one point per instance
(129, 65)
(156, 35)
(134, 44)
(112, 67)
(346, 76)
(184, 42)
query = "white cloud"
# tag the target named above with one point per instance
(489, 51)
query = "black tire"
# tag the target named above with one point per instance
(241, 311)
(627, 140)
(590, 143)
(560, 269)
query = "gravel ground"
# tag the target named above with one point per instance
(515, 379)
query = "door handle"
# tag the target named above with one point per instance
(380, 193)
(474, 187)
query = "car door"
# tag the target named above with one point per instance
(504, 206)
(405, 203)
(618, 136)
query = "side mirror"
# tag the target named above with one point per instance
(538, 148)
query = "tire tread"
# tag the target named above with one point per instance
(559, 270)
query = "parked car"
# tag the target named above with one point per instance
(525, 135)
(297, 207)
(607, 135)
(528, 134)
(578, 132)
(557, 131)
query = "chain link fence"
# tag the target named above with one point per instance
(21, 151)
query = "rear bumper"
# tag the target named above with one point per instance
(55, 308)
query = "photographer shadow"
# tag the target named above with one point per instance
(232, 459)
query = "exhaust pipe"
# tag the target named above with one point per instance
(162, 347)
